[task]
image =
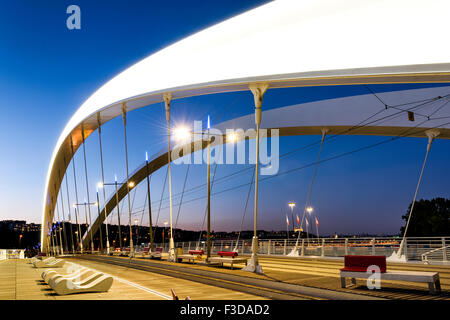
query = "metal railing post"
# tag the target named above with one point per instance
(268, 247)
(346, 246)
(444, 250)
(406, 249)
(323, 248)
(243, 248)
(284, 250)
(303, 247)
(373, 246)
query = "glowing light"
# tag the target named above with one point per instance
(291, 205)
(115, 178)
(181, 134)
(232, 137)
(146, 156)
(131, 184)
(209, 123)
(99, 185)
(309, 209)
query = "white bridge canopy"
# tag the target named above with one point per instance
(288, 43)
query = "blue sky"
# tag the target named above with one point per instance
(47, 71)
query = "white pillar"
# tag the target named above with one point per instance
(167, 99)
(258, 90)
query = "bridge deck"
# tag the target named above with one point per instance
(321, 274)
(284, 278)
(20, 281)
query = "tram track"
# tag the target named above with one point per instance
(270, 289)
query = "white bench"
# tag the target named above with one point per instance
(432, 278)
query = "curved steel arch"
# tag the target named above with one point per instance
(284, 44)
(161, 159)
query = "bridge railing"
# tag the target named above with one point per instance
(327, 247)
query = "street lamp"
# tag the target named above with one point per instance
(136, 227)
(292, 206)
(116, 184)
(80, 243)
(309, 210)
(86, 204)
(165, 226)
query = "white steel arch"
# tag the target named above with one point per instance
(285, 43)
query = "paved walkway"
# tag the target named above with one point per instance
(19, 280)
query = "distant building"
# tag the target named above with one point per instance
(14, 225)
(20, 226)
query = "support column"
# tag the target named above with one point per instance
(101, 224)
(258, 91)
(59, 220)
(346, 247)
(87, 186)
(124, 117)
(431, 134)
(66, 247)
(149, 204)
(167, 99)
(208, 202)
(118, 213)
(99, 123)
(80, 243)
(68, 208)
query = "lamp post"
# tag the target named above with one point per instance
(80, 243)
(116, 184)
(149, 204)
(165, 227)
(292, 206)
(136, 227)
(86, 205)
(101, 236)
(309, 210)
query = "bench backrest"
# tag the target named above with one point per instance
(227, 254)
(361, 263)
(146, 250)
(159, 249)
(200, 252)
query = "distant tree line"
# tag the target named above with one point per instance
(430, 218)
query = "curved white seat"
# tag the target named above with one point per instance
(85, 277)
(63, 286)
(52, 274)
(57, 263)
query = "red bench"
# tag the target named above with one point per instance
(156, 253)
(197, 252)
(358, 267)
(191, 256)
(227, 254)
(361, 263)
